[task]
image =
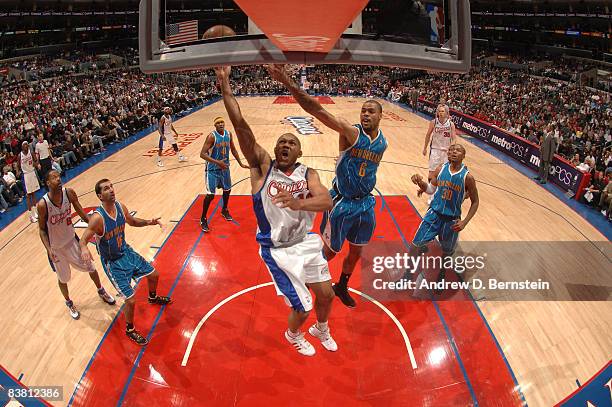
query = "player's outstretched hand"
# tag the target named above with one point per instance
(416, 178)
(156, 221)
(86, 255)
(222, 72)
(284, 199)
(278, 72)
(53, 256)
(458, 226)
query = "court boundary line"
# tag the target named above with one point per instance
(163, 307)
(6, 376)
(386, 310)
(119, 311)
(449, 334)
(499, 348)
(555, 190)
(101, 157)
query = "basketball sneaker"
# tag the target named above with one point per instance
(343, 294)
(106, 297)
(74, 313)
(160, 300)
(160, 163)
(134, 335)
(324, 336)
(226, 215)
(182, 158)
(300, 343)
(441, 277)
(204, 226)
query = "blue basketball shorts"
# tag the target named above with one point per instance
(127, 268)
(217, 179)
(435, 225)
(349, 219)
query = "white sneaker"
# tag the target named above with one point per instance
(301, 344)
(74, 313)
(182, 158)
(324, 336)
(33, 219)
(106, 297)
(160, 163)
(604, 213)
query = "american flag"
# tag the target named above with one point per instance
(182, 32)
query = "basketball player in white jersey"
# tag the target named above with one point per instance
(59, 238)
(28, 163)
(167, 133)
(440, 136)
(286, 197)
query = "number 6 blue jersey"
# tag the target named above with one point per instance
(356, 167)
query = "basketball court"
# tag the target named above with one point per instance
(221, 342)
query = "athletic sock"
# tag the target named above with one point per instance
(322, 326)
(129, 327)
(152, 295)
(344, 278)
(226, 197)
(205, 206)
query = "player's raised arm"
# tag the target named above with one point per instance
(470, 188)
(312, 106)
(253, 152)
(428, 188)
(138, 222)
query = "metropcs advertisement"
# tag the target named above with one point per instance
(562, 173)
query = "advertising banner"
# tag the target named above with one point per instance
(562, 173)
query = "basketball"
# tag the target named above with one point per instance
(218, 31)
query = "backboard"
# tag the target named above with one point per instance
(433, 35)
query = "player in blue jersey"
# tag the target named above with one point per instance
(449, 186)
(215, 151)
(119, 261)
(361, 149)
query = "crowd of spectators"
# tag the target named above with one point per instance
(79, 114)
